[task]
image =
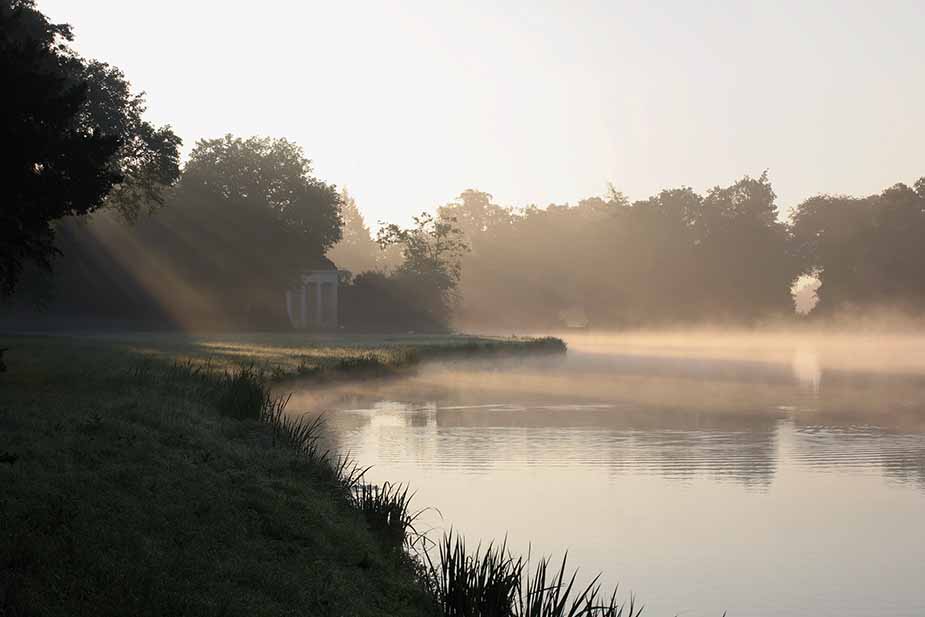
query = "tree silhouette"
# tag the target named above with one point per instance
(69, 132)
(270, 179)
(431, 268)
(866, 251)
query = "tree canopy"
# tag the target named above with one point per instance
(70, 131)
(432, 252)
(272, 176)
(866, 251)
(676, 256)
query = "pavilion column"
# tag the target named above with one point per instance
(319, 303)
(335, 321)
(303, 317)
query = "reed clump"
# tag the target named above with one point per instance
(494, 583)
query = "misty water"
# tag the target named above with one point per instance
(763, 476)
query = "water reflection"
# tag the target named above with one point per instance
(480, 438)
(768, 481)
(728, 428)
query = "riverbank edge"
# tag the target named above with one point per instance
(81, 418)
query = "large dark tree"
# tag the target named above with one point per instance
(268, 179)
(245, 219)
(69, 132)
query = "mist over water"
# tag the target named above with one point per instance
(764, 474)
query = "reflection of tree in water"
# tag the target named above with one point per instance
(742, 450)
(682, 420)
(671, 444)
(894, 402)
(906, 468)
(899, 455)
(867, 419)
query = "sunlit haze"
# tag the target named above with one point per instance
(457, 309)
(410, 103)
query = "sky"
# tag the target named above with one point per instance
(408, 104)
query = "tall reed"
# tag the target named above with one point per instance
(387, 509)
(493, 583)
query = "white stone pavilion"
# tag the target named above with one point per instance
(312, 304)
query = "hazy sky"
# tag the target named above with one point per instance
(408, 104)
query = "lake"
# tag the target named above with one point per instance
(774, 475)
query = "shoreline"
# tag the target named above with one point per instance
(143, 477)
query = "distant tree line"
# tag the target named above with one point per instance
(679, 256)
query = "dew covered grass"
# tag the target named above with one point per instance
(153, 474)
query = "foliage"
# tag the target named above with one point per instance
(866, 251)
(356, 251)
(71, 132)
(493, 583)
(474, 213)
(272, 176)
(432, 251)
(676, 256)
(148, 159)
(387, 509)
(245, 219)
(745, 251)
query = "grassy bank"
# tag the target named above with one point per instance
(140, 477)
(279, 355)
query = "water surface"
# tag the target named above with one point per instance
(763, 477)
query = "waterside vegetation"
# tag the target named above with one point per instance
(160, 475)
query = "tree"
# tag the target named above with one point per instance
(245, 220)
(865, 251)
(749, 267)
(274, 177)
(432, 251)
(356, 250)
(148, 159)
(69, 133)
(475, 214)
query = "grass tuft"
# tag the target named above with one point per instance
(387, 509)
(481, 584)
(493, 583)
(243, 394)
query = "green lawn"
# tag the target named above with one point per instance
(128, 489)
(281, 354)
